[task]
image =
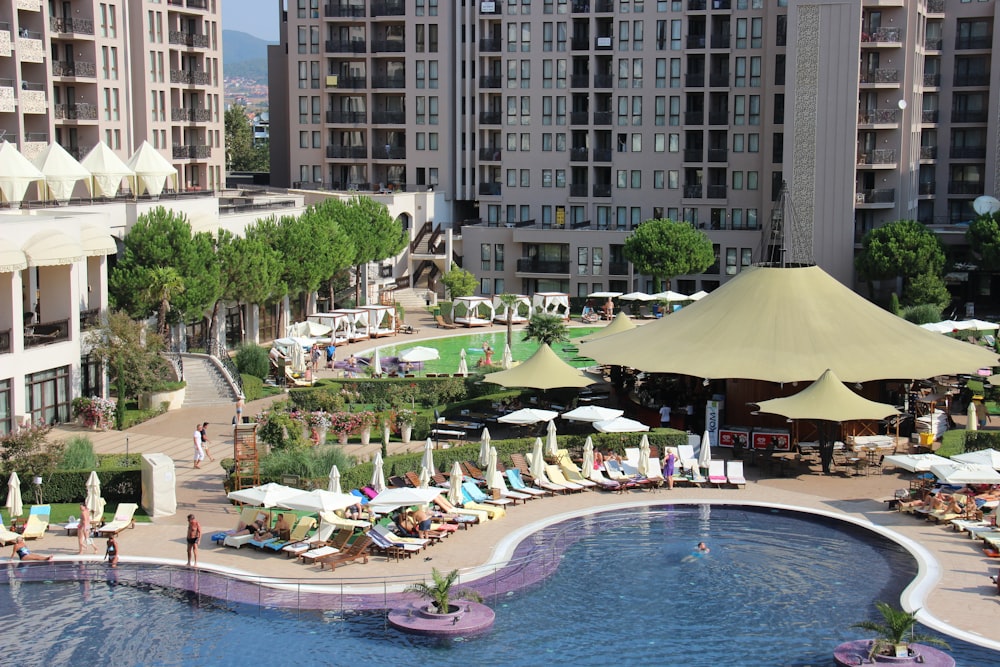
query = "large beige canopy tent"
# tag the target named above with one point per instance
(543, 370)
(151, 170)
(106, 171)
(621, 323)
(16, 173)
(61, 171)
(787, 325)
(828, 399)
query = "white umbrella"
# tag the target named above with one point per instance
(425, 478)
(588, 457)
(14, 505)
(484, 447)
(959, 473)
(318, 500)
(983, 457)
(94, 501)
(637, 296)
(620, 425)
(507, 360)
(334, 480)
(390, 499)
(528, 416)
(551, 444)
(705, 450)
(592, 413)
(463, 365)
(698, 296)
(492, 474)
(643, 466)
(378, 474)
(427, 461)
(670, 295)
(455, 496)
(915, 462)
(266, 495)
(418, 353)
(972, 420)
(376, 364)
(537, 467)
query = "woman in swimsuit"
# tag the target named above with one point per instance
(21, 551)
(112, 551)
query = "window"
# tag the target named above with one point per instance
(484, 256)
(731, 265)
(498, 255)
(583, 262)
(48, 395)
(658, 180)
(675, 110)
(547, 36)
(736, 218)
(546, 178)
(660, 110)
(484, 285)
(560, 178)
(498, 286)
(525, 178)
(739, 109)
(673, 180)
(755, 72)
(740, 73)
(753, 142)
(752, 177)
(737, 180)
(635, 177)
(751, 218)
(756, 30)
(661, 73)
(432, 112)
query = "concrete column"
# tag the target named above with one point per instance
(253, 323)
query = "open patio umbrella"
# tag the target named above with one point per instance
(455, 496)
(484, 447)
(620, 324)
(94, 501)
(961, 473)
(333, 485)
(915, 462)
(318, 500)
(463, 365)
(491, 472)
(528, 416)
(983, 457)
(620, 425)
(15, 507)
(643, 465)
(265, 495)
(376, 364)
(425, 478)
(671, 296)
(588, 456)
(637, 296)
(543, 370)
(378, 474)
(551, 444)
(507, 360)
(419, 353)
(971, 420)
(537, 467)
(828, 399)
(705, 450)
(698, 296)
(388, 500)
(591, 413)
(427, 460)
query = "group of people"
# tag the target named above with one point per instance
(413, 522)
(201, 440)
(668, 469)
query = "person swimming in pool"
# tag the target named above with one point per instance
(699, 551)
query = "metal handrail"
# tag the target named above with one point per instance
(218, 350)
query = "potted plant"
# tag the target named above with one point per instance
(365, 420)
(440, 592)
(320, 422)
(895, 635)
(343, 424)
(405, 419)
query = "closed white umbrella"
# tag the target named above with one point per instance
(425, 478)
(333, 486)
(318, 500)
(14, 505)
(588, 457)
(620, 425)
(376, 364)
(378, 474)
(643, 466)
(455, 496)
(983, 457)
(705, 450)
(94, 501)
(972, 420)
(266, 495)
(484, 447)
(427, 460)
(507, 360)
(537, 467)
(463, 365)
(551, 444)
(492, 474)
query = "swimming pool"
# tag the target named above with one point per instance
(450, 346)
(778, 588)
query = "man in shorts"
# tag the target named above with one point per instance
(193, 537)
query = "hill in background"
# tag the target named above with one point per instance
(244, 56)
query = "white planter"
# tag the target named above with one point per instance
(366, 435)
(405, 431)
(342, 438)
(153, 400)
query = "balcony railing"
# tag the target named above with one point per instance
(579, 44)
(46, 333)
(489, 45)
(720, 40)
(490, 81)
(602, 155)
(935, 6)
(490, 154)
(933, 43)
(5, 341)
(695, 80)
(388, 46)
(343, 10)
(604, 6)
(928, 152)
(90, 319)
(389, 117)
(696, 41)
(880, 75)
(617, 268)
(878, 116)
(604, 81)
(490, 117)
(581, 6)
(972, 79)
(932, 79)
(73, 26)
(694, 117)
(603, 117)
(349, 117)
(389, 8)
(892, 35)
(189, 77)
(877, 196)
(602, 189)
(184, 38)
(352, 82)
(967, 152)
(354, 152)
(577, 189)
(581, 154)
(532, 265)
(694, 154)
(197, 4)
(926, 188)
(718, 117)
(718, 79)
(346, 46)
(966, 116)
(75, 111)
(978, 42)
(965, 188)
(398, 81)
(697, 5)
(579, 81)
(182, 115)
(692, 191)
(878, 156)
(718, 154)
(716, 191)
(579, 118)
(73, 68)
(199, 151)
(492, 189)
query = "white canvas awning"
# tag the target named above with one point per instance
(61, 171)
(11, 257)
(151, 170)
(16, 173)
(97, 242)
(106, 171)
(51, 248)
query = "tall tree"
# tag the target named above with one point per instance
(164, 283)
(241, 153)
(663, 249)
(983, 236)
(902, 249)
(375, 234)
(336, 251)
(510, 302)
(459, 282)
(250, 269)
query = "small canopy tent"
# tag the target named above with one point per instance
(827, 399)
(381, 320)
(543, 370)
(551, 303)
(500, 310)
(16, 173)
(106, 171)
(151, 170)
(473, 311)
(622, 322)
(61, 173)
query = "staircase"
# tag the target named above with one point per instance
(411, 299)
(206, 385)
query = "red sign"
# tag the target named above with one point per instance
(728, 437)
(781, 439)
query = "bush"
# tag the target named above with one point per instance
(253, 387)
(78, 455)
(252, 360)
(312, 463)
(169, 385)
(120, 485)
(922, 314)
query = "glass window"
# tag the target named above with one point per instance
(658, 180)
(484, 256)
(498, 256)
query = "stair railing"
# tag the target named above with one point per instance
(218, 350)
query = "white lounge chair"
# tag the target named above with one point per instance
(123, 519)
(556, 476)
(734, 472)
(693, 472)
(717, 473)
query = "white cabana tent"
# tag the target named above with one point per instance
(151, 170)
(381, 320)
(341, 325)
(61, 171)
(359, 322)
(16, 173)
(106, 171)
(467, 311)
(551, 303)
(307, 329)
(500, 310)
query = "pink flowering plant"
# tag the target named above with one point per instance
(344, 423)
(319, 419)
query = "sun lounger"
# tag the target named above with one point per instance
(556, 477)
(381, 533)
(573, 474)
(8, 536)
(474, 494)
(694, 472)
(442, 324)
(516, 483)
(446, 506)
(321, 538)
(521, 464)
(654, 474)
(616, 471)
(963, 525)
(717, 473)
(335, 545)
(606, 483)
(513, 495)
(123, 519)
(357, 551)
(298, 534)
(37, 523)
(734, 473)
(247, 516)
(494, 511)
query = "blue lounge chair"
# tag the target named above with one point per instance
(474, 494)
(517, 483)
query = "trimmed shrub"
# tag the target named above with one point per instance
(977, 440)
(121, 485)
(252, 360)
(253, 387)
(78, 455)
(922, 314)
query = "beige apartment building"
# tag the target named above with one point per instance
(119, 71)
(554, 127)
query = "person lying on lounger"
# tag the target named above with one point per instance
(422, 521)
(251, 528)
(406, 525)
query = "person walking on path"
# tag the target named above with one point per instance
(240, 403)
(83, 530)
(193, 536)
(199, 450)
(204, 441)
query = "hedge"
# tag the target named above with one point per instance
(253, 387)
(123, 485)
(977, 440)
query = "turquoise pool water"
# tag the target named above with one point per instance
(778, 588)
(450, 346)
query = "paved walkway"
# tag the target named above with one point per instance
(958, 592)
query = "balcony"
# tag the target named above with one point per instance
(579, 81)
(581, 7)
(398, 81)
(490, 189)
(192, 152)
(335, 10)
(877, 196)
(577, 189)
(977, 42)
(617, 268)
(694, 154)
(46, 333)
(184, 38)
(602, 189)
(972, 79)
(695, 80)
(71, 26)
(602, 155)
(604, 81)
(579, 118)
(81, 111)
(718, 79)
(73, 68)
(197, 4)
(388, 8)
(190, 78)
(965, 188)
(720, 40)
(346, 46)
(694, 117)
(884, 156)
(695, 41)
(490, 81)
(878, 117)
(967, 152)
(5, 341)
(579, 44)
(966, 116)
(933, 80)
(489, 45)
(718, 118)
(883, 36)
(692, 192)
(604, 6)
(490, 117)
(390, 153)
(78, 152)
(935, 6)
(90, 319)
(352, 82)
(352, 152)
(603, 117)
(346, 117)
(490, 154)
(718, 154)
(880, 75)
(928, 152)
(181, 115)
(389, 117)
(697, 5)
(933, 43)
(926, 188)
(388, 46)
(532, 265)
(717, 192)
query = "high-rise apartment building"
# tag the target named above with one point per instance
(120, 71)
(554, 127)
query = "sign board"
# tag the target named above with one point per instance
(488, 7)
(713, 410)
(729, 436)
(560, 216)
(763, 438)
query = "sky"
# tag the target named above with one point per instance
(256, 17)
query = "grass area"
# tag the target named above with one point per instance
(952, 442)
(62, 511)
(269, 390)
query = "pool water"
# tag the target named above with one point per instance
(449, 348)
(777, 589)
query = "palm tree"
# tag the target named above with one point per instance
(510, 301)
(897, 630)
(164, 284)
(440, 592)
(546, 329)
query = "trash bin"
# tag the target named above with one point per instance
(926, 439)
